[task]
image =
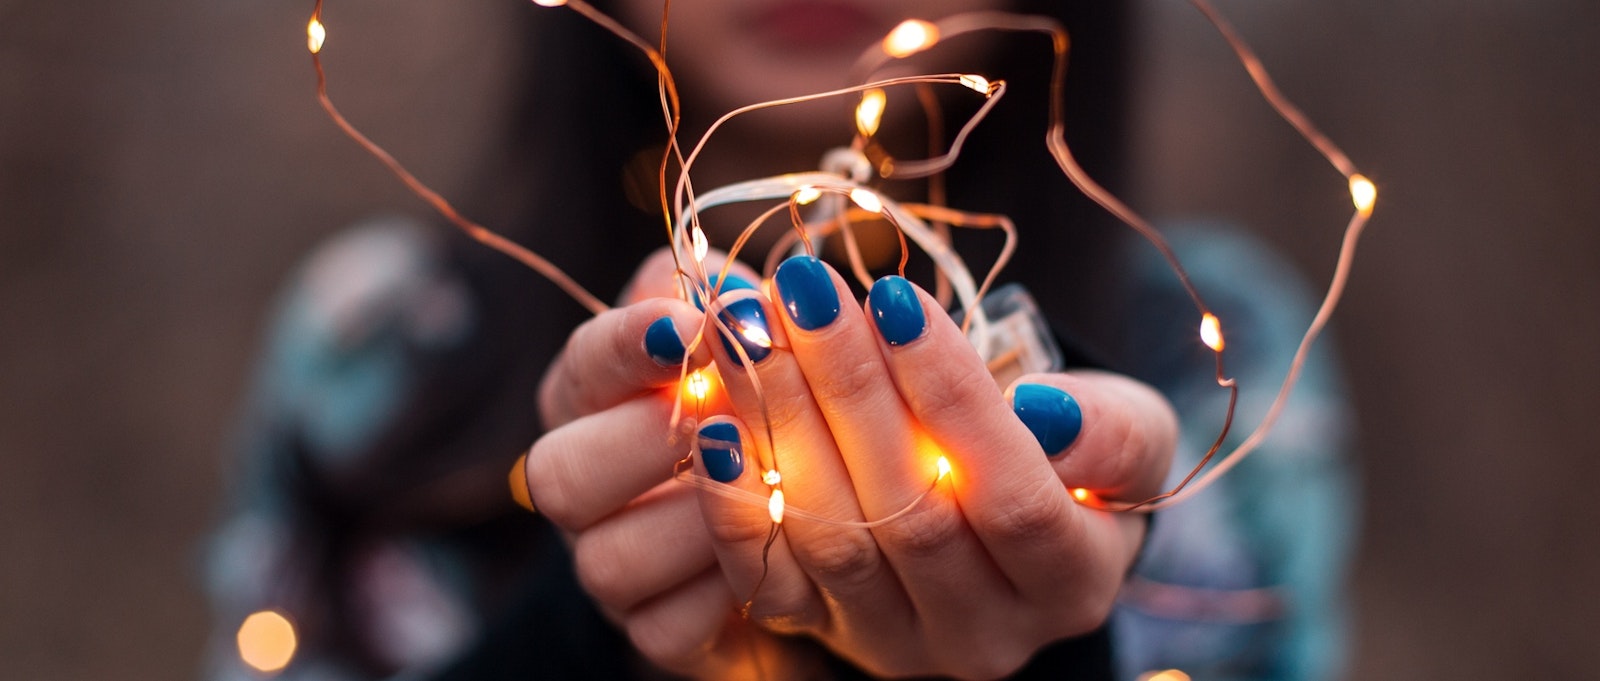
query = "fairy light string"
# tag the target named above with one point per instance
(854, 200)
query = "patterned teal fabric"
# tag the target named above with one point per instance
(1243, 581)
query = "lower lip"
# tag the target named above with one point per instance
(814, 26)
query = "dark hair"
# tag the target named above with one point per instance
(560, 182)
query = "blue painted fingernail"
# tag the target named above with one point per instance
(748, 322)
(807, 292)
(734, 283)
(662, 342)
(721, 451)
(1054, 416)
(896, 310)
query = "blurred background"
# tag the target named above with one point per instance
(163, 165)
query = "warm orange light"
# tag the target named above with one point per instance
(910, 37)
(976, 82)
(806, 195)
(549, 3)
(867, 200)
(771, 477)
(775, 507)
(698, 385)
(1165, 675)
(870, 111)
(315, 35)
(944, 468)
(1363, 193)
(1211, 332)
(266, 641)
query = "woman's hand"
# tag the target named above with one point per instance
(997, 561)
(601, 473)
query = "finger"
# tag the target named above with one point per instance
(618, 355)
(1107, 433)
(657, 542)
(589, 468)
(735, 506)
(769, 393)
(1005, 486)
(859, 587)
(680, 627)
(852, 388)
(937, 560)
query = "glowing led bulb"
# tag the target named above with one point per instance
(775, 507)
(866, 199)
(701, 245)
(1085, 497)
(976, 82)
(944, 468)
(1363, 193)
(549, 3)
(266, 641)
(315, 35)
(771, 477)
(806, 195)
(1211, 332)
(910, 37)
(756, 335)
(870, 111)
(698, 385)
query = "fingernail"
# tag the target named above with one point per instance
(748, 322)
(807, 292)
(896, 310)
(734, 283)
(1054, 416)
(721, 451)
(662, 342)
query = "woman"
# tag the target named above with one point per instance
(401, 553)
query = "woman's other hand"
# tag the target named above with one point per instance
(602, 474)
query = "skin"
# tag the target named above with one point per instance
(995, 563)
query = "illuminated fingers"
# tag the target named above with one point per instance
(1124, 438)
(618, 355)
(658, 542)
(745, 536)
(589, 468)
(791, 439)
(892, 465)
(1010, 496)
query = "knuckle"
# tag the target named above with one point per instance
(853, 379)
(731, 529)
(663, 640)
(923, 532)
(842, 558)
(947, 393)
(600, 571)
(1028, 516)
(786, 613)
